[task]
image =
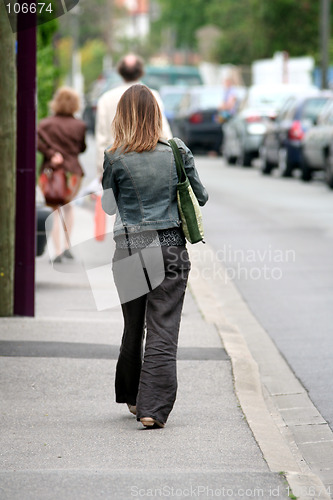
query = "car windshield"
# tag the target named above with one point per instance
(209, 98)
(157, 77)
(312, 108)
(171, 101)
(260, 99)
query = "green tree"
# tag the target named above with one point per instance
(292, 26)
(47, 70)
(64, 50)
(250, 29)
(183, 18)
(242, 33)
(95, 21)
(92, 55)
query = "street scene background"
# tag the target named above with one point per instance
(248, 87)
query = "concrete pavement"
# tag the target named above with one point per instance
(64, 437)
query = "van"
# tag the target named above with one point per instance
(157, 76)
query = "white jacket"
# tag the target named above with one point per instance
(106, 110)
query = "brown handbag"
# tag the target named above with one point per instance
(53, 183)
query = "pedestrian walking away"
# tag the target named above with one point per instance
(131, 69)
(61, 138)
(140, 187)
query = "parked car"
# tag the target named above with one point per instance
(274, 96)
(283, 139)
(243, 134)
(157, 76)
(317, 144)
(196, 120)
(329, 168)
(42, 213)
(171, 96)
(97, 89)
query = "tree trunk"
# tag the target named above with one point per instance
(7, 163)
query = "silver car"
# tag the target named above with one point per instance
(317, 146)
(244, 133)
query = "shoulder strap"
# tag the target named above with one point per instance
(179, 161)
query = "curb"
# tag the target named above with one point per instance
(264, 384)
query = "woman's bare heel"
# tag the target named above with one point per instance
(150, 422)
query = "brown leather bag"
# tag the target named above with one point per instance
(53, 183)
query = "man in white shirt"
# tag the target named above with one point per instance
(131, 69)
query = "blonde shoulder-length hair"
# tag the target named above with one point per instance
(65, 101)
(137, 124)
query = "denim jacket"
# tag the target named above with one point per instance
(140, 188)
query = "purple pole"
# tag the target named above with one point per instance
(25, 240)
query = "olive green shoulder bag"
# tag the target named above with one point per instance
(188, 206)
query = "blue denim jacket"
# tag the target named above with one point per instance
(141, 187)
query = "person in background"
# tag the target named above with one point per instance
(227, 109)
(140, 185)
(61, 138)
(131, 69)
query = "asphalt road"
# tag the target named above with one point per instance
(275, 236)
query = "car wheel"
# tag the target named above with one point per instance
(267, 166)
(245, 159)
(231, 160)
(329, 171)
(306, 173)
(285, 166)
(191, 146)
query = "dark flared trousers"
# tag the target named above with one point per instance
(149, 380)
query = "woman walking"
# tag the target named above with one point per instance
(140, 171)
(61, 138)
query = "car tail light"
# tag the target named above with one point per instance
(253, 119)
(196, 118)
(296, 132)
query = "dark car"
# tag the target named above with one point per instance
(317, 144)
(171, 96)
(91, 98)
(283, 138)
(196, 121)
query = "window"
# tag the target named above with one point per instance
(312, 108)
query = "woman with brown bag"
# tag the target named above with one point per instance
(61, 138)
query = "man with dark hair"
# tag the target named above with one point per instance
(131, 69)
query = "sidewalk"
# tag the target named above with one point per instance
(64, 437)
